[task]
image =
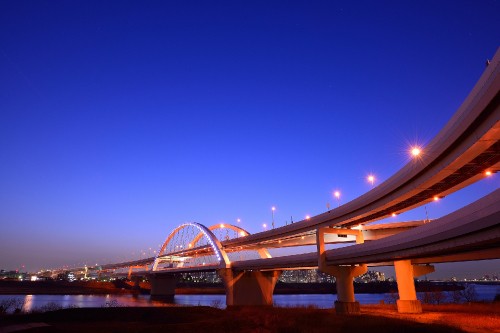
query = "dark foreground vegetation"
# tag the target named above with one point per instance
(208, 319)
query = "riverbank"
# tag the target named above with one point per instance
(438, 319)
(127, 287)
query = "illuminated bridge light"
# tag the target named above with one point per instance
(416, 151)
(371, 179)
(488, 173)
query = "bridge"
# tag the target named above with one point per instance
(466, 150)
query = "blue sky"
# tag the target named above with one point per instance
(120, 120)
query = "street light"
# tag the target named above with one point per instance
(264, 226)
(371, 179)
(272, 214)
(415, 151)
(337, 196)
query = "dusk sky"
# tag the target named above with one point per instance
(120, 120)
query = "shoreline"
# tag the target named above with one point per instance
(127, 287)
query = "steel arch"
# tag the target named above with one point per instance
(204, 231)
(263, 252)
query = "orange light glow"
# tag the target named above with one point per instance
(416, 151)
(488, 173)
(242, 233)
(307, 217)
(394, 214)
(222, 226)
(436, 198)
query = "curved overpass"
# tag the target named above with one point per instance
(472, 232)
(459, 155)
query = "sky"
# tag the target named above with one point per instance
(120, 120)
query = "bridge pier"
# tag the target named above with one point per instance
(344, 275)
(163, 286)
(137, 282)
(249, 287)
(405, 272)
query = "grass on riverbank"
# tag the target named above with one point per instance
(244, 319)
(469, 317)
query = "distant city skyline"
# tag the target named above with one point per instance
(122, 120)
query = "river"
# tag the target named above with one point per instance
(33, 302)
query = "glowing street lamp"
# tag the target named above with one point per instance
(415, 151)
(336, 194)
(371, 179)
(264, 226)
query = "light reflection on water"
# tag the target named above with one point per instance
(323, 301)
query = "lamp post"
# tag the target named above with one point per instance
(337, 196)
(272, 214)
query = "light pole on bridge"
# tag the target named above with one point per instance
(272, 214)
(337, 196)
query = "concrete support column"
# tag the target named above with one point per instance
(344, 275)
(405, 272)
(249, 287)
(137, 282)
(163, 285)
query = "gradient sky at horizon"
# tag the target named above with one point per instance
(120, 120)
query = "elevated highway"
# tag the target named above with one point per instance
(471, 233)
(463, 152)
(458, 156)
